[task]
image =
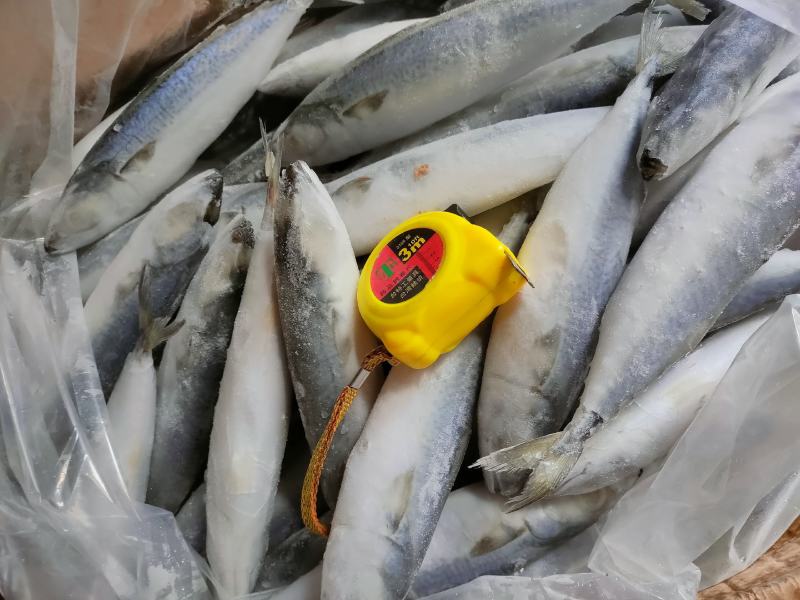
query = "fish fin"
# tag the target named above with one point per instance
(650, 37)
(521, 457)
(366, 105)
(693, 8)
(142, 156)
(362, 184)
(154, 330)
(272, 164)
(546, 477)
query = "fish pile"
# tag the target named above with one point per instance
(644, 162)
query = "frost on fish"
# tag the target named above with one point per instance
(192, 365)
(647, 428)
(432, 70)
(542, 339)
(249, 432)
(732, 62)
(774, 280)
(300, 74)
(738, 209)
(399, 474)
(166, 127)
(521, 155)
(325, 337)
(172, 239)
(94, 259)
(592, 77)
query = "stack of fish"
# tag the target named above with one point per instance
(647, 173)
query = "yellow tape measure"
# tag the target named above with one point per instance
(427, 284)
(431, 281)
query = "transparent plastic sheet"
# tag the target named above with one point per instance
(741, 447)
(68, 528)
(726, 492)
(784, 13)
(63, 61)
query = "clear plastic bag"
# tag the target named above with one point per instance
(69, 529)
(725, 493)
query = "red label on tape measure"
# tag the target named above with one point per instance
(406, 265)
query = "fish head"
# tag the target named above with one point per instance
(88, 209)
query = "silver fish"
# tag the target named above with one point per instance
(542, 339)
(325, 337)
(132, 404)
(732, 62)
(94, 259)
(172, 240)
(591, 77)
(775, 279)
(434, 69)
(191, 368)
(250, 429)
(521, 155)
(165, 128)
(400, 471)
(748, 191)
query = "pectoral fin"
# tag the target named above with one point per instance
(365, 106)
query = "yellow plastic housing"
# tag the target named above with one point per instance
(432, 280)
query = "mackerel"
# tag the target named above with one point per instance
(542, 339)
(730, 65)
(191, 367)
(164, 129)
(434, 69)
(521, 155)
(325, 337)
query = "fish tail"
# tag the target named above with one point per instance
(546, 477)
(650, 37)
(154, 330)
(521, 457)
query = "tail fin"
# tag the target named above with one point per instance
(548, 475)
(650, 37)
(154, 330)
(522, 457)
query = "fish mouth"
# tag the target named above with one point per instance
(651, 167)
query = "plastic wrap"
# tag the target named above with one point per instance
(62, 62)
(68, 528)
(726, 492)
(781, 12)
(741, 446)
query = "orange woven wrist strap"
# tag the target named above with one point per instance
(308, 501)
